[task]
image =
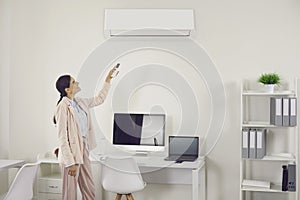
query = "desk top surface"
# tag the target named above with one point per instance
(157, 161)
(6, 164)
(145, 161)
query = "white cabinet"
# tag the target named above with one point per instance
(49, 182)
(281, 144)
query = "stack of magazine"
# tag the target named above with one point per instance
(256, 184)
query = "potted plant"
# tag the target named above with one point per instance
(269, 80)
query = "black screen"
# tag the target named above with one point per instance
(181, 145)
(139, 129)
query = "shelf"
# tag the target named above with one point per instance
(274, 188)
(261, 124)
(276, 157)
(262, 93)
(258, 124)
(280, 157)
(53, 176)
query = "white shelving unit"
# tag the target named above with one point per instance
(281, 143)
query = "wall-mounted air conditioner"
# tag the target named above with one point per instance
(148, 22)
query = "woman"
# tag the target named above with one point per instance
(75, 136)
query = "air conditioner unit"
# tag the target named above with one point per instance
(148, 22)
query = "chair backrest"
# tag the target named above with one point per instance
(22, 185)
(121, 175)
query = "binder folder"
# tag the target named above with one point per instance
(252, 143)
(245, 143)
(276, 111)
(285, 112)
(291, 177)
(293, 112)
(260, 143)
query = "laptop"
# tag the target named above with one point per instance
(183, 148)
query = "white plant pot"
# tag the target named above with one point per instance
(269, 88)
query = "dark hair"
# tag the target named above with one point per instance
(62, 83)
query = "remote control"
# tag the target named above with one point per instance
(116, 72)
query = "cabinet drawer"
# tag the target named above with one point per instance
(49, 196)
(50, 185)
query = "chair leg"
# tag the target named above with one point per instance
(129, 197)
(119, 196)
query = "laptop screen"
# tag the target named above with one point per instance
(183, 145)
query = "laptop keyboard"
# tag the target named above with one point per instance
(186, 158)
(181, 158)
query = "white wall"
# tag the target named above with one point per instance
(4, 88)
(44, 39)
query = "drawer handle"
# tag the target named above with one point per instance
(51, 186)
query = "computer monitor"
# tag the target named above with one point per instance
(139, 132)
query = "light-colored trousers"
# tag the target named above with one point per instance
(83, 177)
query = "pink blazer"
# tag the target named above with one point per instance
(69, 132)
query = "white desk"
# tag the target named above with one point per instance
(6, 164)
(157, 170)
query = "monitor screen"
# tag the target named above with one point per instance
(143, 130)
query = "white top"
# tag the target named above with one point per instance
(82, 117)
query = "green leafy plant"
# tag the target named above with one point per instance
(271, 78)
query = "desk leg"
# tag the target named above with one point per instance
(203, 182)
(195, 184)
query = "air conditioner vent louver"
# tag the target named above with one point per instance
(148, 22)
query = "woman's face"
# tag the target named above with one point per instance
(74, 88)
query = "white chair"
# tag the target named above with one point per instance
(22, 185)
(121, 176)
